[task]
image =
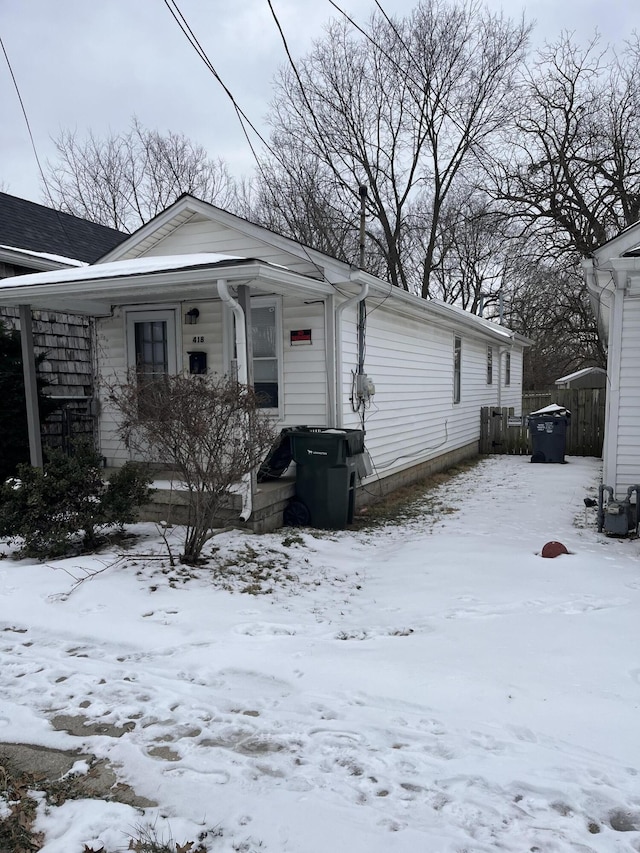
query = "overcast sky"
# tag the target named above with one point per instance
(83, 64)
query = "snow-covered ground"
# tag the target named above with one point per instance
(435, 686)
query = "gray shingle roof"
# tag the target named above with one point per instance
(27, 225)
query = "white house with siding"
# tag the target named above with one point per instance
(332, 346)
(612, 276)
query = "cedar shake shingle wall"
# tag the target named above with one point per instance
(64, 339)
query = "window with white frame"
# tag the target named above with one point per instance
(264, 336)
(457, 368)
(489, 365)
(507, 368)
(266, 341)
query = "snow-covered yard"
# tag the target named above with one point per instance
(434, 686)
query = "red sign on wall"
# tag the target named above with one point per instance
(300, 336)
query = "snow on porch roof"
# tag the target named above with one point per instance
(95, 289)
(119, 269)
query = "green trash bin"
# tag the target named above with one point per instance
(548, 433)
(326, 463)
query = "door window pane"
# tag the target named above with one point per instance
(151, 348)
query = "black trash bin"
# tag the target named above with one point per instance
(326, 462)
(548, 431)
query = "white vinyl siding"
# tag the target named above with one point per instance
(627, 468)
(304, 366)
(413, 417)
(204, 336)
(203, 235)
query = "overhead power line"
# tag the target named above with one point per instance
(33, 145)
(243, 118)
(26, 119)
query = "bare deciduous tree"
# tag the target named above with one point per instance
(212, 432)
(125, 179)
(401, 105)
(551, 306)
(474, 245)
(570, 166)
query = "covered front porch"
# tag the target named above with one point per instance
(120, 294)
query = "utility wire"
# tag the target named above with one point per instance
(33, 145)
(303, 92)
(191, 37)
(182, 22)
(26, 119)
(379, 47)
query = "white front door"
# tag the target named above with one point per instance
(151, 342)
(151, 348)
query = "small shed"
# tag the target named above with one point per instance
(588, 377)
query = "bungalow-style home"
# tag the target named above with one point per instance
(588, 377)
(200, 290)
(36, 238)
(612, 277)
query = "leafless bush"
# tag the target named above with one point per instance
(211, 432)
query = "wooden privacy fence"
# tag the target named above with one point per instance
(502, 432)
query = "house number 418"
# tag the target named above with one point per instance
(198, 339)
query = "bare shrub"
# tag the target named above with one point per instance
(212, 432)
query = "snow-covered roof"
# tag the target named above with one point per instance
(578, 373)
(135, 266)
(145, 280)
(45, 256)
(489, 325)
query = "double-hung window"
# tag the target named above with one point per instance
(264, 337)
(489, 365)
(266, 343)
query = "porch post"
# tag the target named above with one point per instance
(30, 385)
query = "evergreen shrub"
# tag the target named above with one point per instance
(68, 505)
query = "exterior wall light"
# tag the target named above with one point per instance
(191, 317)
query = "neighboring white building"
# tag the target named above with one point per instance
(613, 281)
(430, 366)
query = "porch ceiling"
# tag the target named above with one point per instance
(94, 290)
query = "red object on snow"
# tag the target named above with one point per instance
(554, 549)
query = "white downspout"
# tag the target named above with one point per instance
(241, 360)
(354, 300)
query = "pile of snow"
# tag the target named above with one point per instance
(432, 686)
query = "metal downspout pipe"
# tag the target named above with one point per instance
(354, 300)
(241, 360)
